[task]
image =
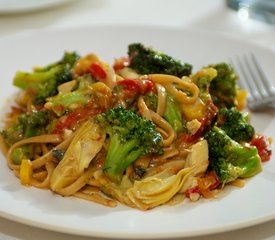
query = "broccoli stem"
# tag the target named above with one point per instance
(118, 157)
(21, 153)
(130, 136)
(247, 159)
(25, 80)
(43, 82)
(173, 114)
(67, 99)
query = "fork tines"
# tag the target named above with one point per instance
(252, 78)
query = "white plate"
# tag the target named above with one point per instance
(16, 6)
(238, 208)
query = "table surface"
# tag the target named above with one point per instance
(209, 15)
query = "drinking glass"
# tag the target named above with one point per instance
(263, 10)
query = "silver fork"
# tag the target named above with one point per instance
(253, 79)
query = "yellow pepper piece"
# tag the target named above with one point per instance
(241, 99)
(194, 111)
(26, 171)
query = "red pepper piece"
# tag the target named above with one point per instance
(262, 144)
(136, 85)
(73, 118)
(97, 71)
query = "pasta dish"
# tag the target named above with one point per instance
(144, 131)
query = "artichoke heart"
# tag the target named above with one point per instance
(198, 157)
(87, 142)
(158, 189)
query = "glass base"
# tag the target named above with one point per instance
(262, 10)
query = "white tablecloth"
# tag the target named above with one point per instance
(210, 15)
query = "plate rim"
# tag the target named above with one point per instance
(142, 235)
(31, 7)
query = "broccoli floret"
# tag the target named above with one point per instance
(69, 58)
(229, 159)
(28, 125)
(173, 114)
(78, 97)
(146, 60)
(43, 82)
(223, 88)
(34, 123)
(13, 134)
(130, 136)
(203, 79)
(235, 124)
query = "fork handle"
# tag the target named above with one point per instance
(270, 105)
